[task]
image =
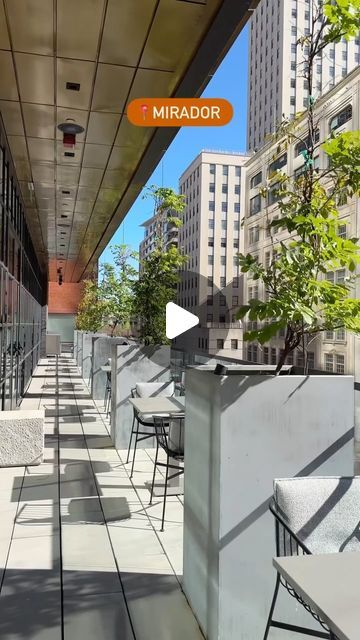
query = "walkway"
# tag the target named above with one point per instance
(81, 555)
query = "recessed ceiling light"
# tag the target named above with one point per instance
(73, 86)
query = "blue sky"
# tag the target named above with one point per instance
(230, 82)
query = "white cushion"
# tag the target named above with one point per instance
(149, 389)
(324, 512)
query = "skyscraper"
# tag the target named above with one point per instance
(276, 85)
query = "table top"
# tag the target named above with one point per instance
(329, 583)
(159, 404)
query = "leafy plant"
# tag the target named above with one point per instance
(109, 300)
(159, 272)
(302, 297)
(92, 307)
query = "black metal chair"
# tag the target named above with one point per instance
(107, 398)
(170, 438)
(143, 424)
(313, 515)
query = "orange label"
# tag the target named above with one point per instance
(179, 112)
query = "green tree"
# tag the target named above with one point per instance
(159, 273)
(109, 299)
(92, 307)
(301, 300)
(116, 282)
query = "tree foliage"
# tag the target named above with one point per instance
(109, 299)
(159, 272)
(302, 298)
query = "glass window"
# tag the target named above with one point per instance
(280, 162)
(256, 179)
(212, 187)
(211, 223)
(234, 344)
(237, 171)
(219, 343)
(236, 207)
(224, 207)
(209, 317)
(255, 205)
(273, 194)
(211, 205)
(212, 168)
(253, 235)
(343, 116)
(225, 170)
(224, 188)
(235, 301)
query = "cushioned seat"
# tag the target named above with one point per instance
(150, 389)
(324, 512)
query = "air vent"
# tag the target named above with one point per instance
(63, 225)
(69, 154)
(66, 193)
(73, 86)
(63, 215)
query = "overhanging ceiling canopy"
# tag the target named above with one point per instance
(83, 61)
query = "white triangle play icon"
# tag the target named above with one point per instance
(178, 320)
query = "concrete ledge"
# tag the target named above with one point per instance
(21, 438)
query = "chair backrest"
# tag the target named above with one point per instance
(324, 512)
(170, 433)
(149, 389)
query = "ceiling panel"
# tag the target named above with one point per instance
(43, 172)
(8, 88)
(171, 33)
(39, 120)
(41, 150)
(151, 84)
(111, 88)
(96, 156)
(84, 207)
(128, 25)
(11, 114)
(36, 78)
(102, 127)
(31, 25)
(23, 170)
(122, 157)
(67, 175)
(87, 194)
(91, 177)
(78, 24)
(129, 135)
(75, 71)
(4, 36)
(115, 178)
(69, 156)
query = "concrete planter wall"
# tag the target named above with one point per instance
(132, 364)
(101, 352)
(241, 432)
(86, 358)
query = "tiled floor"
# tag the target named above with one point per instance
(81, 554)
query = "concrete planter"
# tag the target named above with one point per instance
(132, 364)
(21, 438)
(101, 351)
(241, 432)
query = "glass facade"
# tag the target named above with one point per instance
(22, 289)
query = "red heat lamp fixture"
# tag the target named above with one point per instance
(70, 130)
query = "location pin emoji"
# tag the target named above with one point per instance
(144, 109)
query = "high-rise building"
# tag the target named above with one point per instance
(211, 237)
(337, 111)
(159, 227)
(276, 85)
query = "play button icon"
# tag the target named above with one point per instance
(178, 320)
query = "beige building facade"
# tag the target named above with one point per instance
(275, 63)
(337, 111)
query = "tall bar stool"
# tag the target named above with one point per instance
(143, 423)
(170, 438)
